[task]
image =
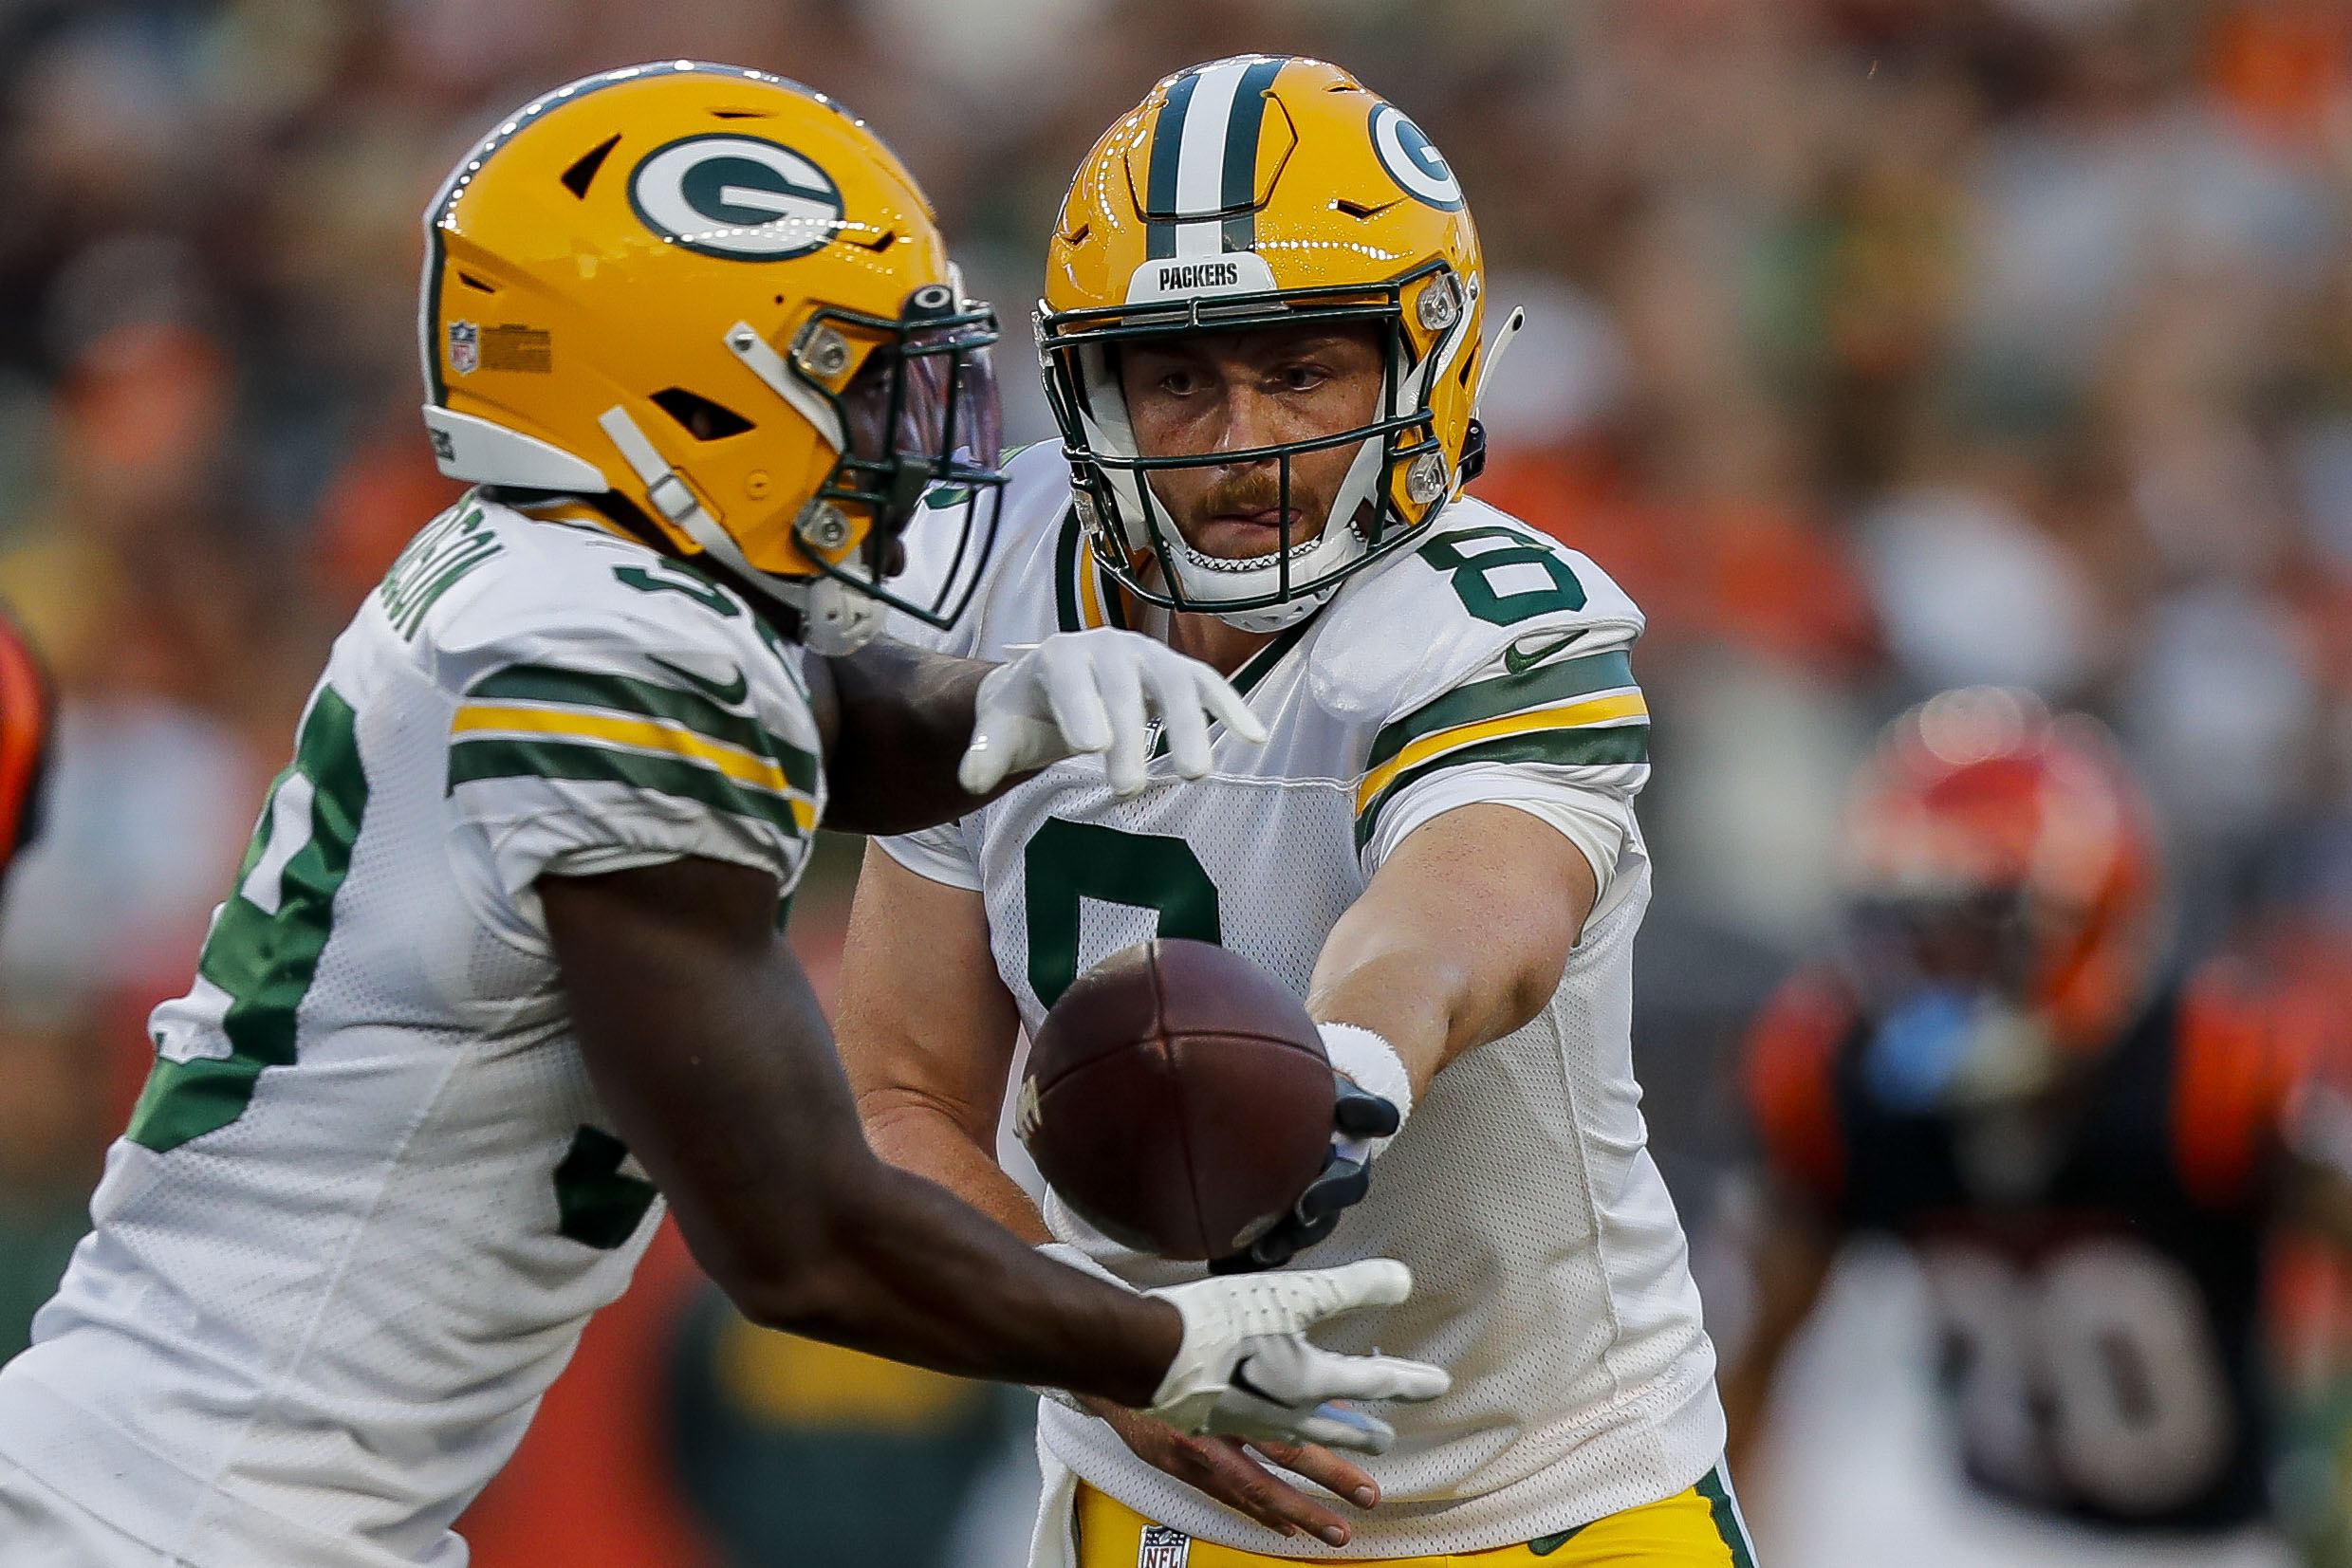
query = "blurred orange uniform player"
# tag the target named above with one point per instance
(2084, 1156)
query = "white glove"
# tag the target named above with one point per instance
(1246, 1370)
(1099, 692)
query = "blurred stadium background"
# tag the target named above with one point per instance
(1875, 345)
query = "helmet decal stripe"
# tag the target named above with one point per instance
(1159, 201)
(1204, 160)
(1241, 154)
(1200, 161)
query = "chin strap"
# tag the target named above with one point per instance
(835, 617)
(1494, 356)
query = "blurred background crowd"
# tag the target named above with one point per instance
(1875, 346)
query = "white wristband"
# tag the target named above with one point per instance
(1371, 1064)
(1064, 1252)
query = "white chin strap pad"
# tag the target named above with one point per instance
(1494, 356)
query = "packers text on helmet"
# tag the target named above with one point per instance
(1252, 193)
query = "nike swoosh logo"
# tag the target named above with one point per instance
(725, 695)
(1518, 660)
(1240, 1379)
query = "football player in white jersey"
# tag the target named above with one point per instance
(1262, 341)
(503, 964)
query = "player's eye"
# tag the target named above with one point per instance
(1303, 377)
(1179, 383)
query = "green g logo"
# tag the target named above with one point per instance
(737, 196)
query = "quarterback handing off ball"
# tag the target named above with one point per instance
(1179, 1100)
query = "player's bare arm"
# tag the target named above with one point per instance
(914, 738)
(1460, 939)
(927, 1036)
(704, 1039)
(699, 1030)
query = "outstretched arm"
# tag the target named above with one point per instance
(927, 1036)
(1461, 938)
(705, 1043)
(700, 1031)
(897, 721)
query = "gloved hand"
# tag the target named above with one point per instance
(1099, 692)
(1246, 1370)
(1357, 1117)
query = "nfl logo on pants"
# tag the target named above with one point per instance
(1163, 1548)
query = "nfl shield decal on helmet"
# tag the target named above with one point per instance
(737, 196)
(465, 347)
(1163, 1548)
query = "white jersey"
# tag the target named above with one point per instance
(369, 1197)
(1486, 663)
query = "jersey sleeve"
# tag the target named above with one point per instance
(623, 734)
(940, 854)
(1522, 694)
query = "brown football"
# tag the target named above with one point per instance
(1178, 1098)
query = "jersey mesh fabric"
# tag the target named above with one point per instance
(1552, 1275)
(311, 1325)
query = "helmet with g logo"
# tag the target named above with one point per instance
(717, 297)
(1265, 190)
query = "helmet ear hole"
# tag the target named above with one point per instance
(702, 418)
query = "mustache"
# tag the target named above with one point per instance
(1255, 489)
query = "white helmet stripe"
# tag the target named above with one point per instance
(1200, 158)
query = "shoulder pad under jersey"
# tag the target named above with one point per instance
(484, 586)
(1481, 593)
(1032, 504)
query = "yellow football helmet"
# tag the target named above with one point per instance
(714, 303)
(1265, 190)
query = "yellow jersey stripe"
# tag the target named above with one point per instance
(650, 734)
(1617, 705)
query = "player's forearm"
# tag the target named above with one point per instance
(902, 1270)
(1461, 939)
(703, 1037)
(927, 1140)
(1432, 990)
(904, 719)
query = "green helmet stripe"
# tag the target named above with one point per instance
(1241, 154)
(1160, 197)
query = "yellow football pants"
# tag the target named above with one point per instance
(1700, 1527)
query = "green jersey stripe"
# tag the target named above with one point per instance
(1727, 1523)
(1608, 747)
(645, 699)
(505, 757)
(264, 954)
(1491, 699)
